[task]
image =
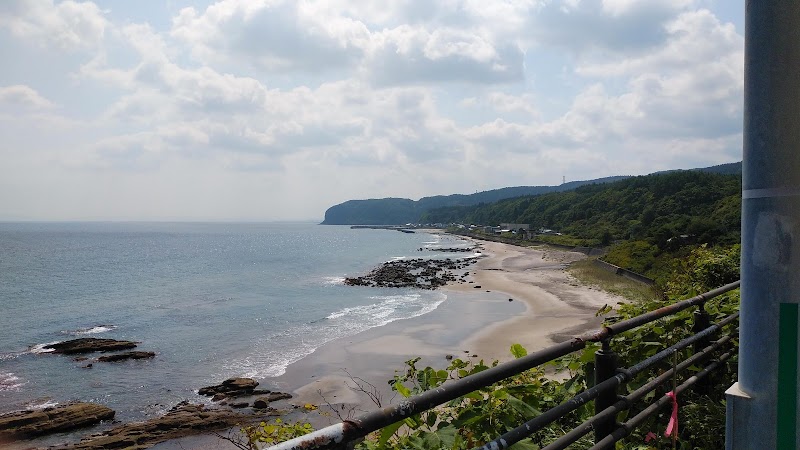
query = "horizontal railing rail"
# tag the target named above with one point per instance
(607, 377)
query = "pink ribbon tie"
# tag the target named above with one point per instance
(672, 426)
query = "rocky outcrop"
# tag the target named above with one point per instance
(126, 355)
(61, 418)
(185, 419)
(418, 273)
(232, 387)
(89, 345)
(263, 402)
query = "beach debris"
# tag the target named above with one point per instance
(56, 419)
(89, 345)
(126, 355)
(448, 357)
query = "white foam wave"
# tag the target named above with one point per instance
(333, 280)
(271, 360)
(42, 404)
(90, 330)
(10, 382)
(11, 355)
(40, 348)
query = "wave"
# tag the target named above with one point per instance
(11, 355)
(276, 352)
(90, 330)
(40, 348)
(41, 403)
(333, 280)
(10, 382)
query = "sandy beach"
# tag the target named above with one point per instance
(547, 306)
(557, 306)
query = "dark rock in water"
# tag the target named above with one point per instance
(477, 286)
(80, 358)
(88, 366)
(57, 419)
(418, 273)
(511, 299)
(218, 397)
(239, 405)
(185, 419)
(448, 357)
(232, 387)
(263, 402)
(126, 355)
(88, 345)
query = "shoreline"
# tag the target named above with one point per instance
(557, 305)
(471, 324)
(548, 305)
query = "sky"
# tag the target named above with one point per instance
(275, 110)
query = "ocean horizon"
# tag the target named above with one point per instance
(212, 300)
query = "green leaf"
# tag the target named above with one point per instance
(430, 418)
(521, 407)
(525, 444)
(402, 389)
(518, 351)
(387, 432)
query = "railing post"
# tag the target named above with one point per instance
(605, 367)
(701, 322)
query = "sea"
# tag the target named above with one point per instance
(212, 300)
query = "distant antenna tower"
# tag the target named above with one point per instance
(564, 179)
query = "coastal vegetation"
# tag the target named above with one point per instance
(398, 211)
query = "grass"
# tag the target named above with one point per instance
(588, 273)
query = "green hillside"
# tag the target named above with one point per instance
(702, 207)
(398, 211)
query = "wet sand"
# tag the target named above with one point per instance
(546, 303)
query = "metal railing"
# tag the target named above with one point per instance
(604, 393)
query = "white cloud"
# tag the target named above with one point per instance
(24, 98)
(296, 105)
(272, 35)
(66, 25)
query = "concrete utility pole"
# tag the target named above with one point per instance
(762, 405)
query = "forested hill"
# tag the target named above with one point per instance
(700, 206)
(397, 211)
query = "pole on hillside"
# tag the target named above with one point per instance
(762, 405)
